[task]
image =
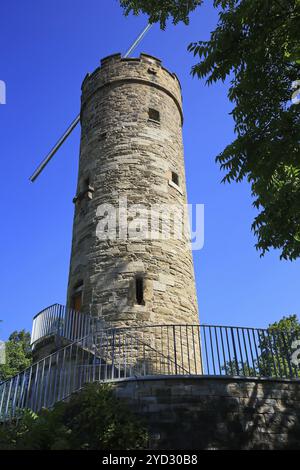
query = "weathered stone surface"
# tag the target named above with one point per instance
(216, 413)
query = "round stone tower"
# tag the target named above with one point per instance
(126, 266)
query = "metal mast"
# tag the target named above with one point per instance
(74, 123)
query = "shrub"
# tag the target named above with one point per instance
(92, 419)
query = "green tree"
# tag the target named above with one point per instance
(277, 347)
(17, 353)
(93, 419)
(161, 10)
(256, 47)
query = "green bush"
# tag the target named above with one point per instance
(92, 419)
(18, 354)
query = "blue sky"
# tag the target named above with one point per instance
(47, 47)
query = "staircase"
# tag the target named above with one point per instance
(103, 354)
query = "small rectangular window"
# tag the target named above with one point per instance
(154, 115)
(76, 301)
(152, 71)
(139, 290)
(175, 178)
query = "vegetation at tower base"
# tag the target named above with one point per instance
(18, 354)
(275, 348)
(92, 419)
(256, 47)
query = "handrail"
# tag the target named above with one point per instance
(150, 325)
(58, 320)
(44, 309)
(218, 349)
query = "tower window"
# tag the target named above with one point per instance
(154, 115)
(76, 302)
(86, 183)
(152, 71)
(175, 178)
(139, 290)
(102, 136)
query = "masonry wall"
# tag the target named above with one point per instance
(126, 154)
(216, 413)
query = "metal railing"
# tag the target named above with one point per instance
(58, 320)
(117, 353)
(213, 350)
(111, 354)
(248, 352)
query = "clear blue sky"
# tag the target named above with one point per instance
(47, 47)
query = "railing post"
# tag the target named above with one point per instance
(175, 352)
(287, 355)
(113, 355)
(60, 316)
(234, 351)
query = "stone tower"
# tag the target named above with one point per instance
(131, 153)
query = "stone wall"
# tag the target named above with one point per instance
(216, 413)
(125, 154)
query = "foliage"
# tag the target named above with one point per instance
(93, 419)
(12, 434)
(276, 347)
(240, 368)
(256, 46)
(18, 354)
(161, 10)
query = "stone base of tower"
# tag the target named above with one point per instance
(216, 412)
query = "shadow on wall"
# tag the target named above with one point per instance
(217, 413)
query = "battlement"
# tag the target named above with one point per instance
(118, 57)
(145, 70)
(114, 61)
(143, 58)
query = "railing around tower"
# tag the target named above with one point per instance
(107, 353)
(58, 320)
(205, 349)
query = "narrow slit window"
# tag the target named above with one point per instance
(102, 136)
(86, 183)
(175, 178)
(154, 115)
(139, 291)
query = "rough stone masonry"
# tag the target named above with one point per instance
(200, 412)
(131, 147)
